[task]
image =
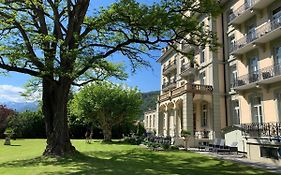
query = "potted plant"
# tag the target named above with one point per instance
(186, 134)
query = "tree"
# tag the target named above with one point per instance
(107, 105)
(5, 113)
(63, 44)
(28, 124)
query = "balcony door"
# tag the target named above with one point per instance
(253, 69)
(278, 97)
(235, 112)
(276, 17)
(251, 33)
(277, 66)
(233, 76)
(257, 111)
(248, 3)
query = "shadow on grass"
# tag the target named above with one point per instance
(136, 161)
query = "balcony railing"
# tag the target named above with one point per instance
(170, 66)
(168, 84)
(258, 76)
(262, 130)
(257, 35)
(187, 88)
(241, 9)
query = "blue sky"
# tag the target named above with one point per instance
(146, 79)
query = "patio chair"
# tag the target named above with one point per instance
(221, 145)
(229, 149)
(210, 146)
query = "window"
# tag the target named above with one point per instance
(231, 42)
(153, 121)
(276, 18)
(233, 76)
(253, 70)
(236, 112)
(204, 116)
(277, 66)
(251, 34)
(203, 78)
(249, 3)
(202, 55)
(257, 111)
(278, 55)
(276, 15)
(278, 98)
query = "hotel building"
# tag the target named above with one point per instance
(237, 85)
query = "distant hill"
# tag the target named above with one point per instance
(22, 106)
(149, 101)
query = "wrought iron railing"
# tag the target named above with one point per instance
(241, 9)
(261, 74)
(268, 27)
(262, 130)
(171, 64)
(257, 33)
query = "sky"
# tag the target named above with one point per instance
(146, 79)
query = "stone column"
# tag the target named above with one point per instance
(167, 123)
(171, 122)
(175, 123)
(157, 120)
(188, 113)
(215, 115)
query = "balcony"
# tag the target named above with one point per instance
(188, 70)
(263, 34)
(268, 75)
(247, 10)
(262, 130)
(170, 67)
(169, 85)
(186, 88)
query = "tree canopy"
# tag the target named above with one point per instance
(106, 105)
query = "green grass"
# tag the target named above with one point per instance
(24, 157)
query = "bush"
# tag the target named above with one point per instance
(134, 140)
(28, 125)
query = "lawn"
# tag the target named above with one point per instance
(24, 157)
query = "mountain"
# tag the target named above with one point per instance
(149, 101)
(22, 106)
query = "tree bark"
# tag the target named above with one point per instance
(55, 97)
(107, 133)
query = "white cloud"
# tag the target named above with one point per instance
(13, 94)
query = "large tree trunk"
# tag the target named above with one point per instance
(55, 97)
(107, 133)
